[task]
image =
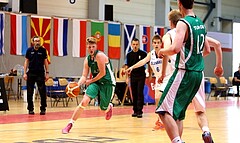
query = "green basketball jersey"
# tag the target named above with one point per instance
(190, 57)
(106, 79)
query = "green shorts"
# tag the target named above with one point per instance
(105, 91)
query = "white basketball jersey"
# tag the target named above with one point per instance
(172, 34)
(156, 65)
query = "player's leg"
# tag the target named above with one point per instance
(106, 95)
(91, 93)
(171, 127)
(158, 124)
(159, 88)
(200, 112)
(173, 103)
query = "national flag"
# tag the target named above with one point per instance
(97, 31)
(158, 30)
(2, 20)
(19, 42)
(129, 35)
(79, 38)
(41, 26)
(60, 33)
(145, 35)
(114, 50)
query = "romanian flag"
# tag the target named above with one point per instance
(97, 31)
(2, 20)
(114, 50)
(79, 38)
(144, 34)
(60, 33)
(129, 35)
(41, 26)
(158, 30)
(19, 44)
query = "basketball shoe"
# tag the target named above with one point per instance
(109, 112)
(158, 125)
(207, 138)
(67, 128)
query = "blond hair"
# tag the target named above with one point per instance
(91, 40)
(174, 16)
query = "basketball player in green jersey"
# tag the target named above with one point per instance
(103, 82)
(188, 44)
(199, 99)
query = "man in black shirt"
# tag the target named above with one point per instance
(35, 66)
(137, 77)
(236, 80)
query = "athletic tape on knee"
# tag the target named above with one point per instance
(80, 106)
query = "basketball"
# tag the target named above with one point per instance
(72, 89)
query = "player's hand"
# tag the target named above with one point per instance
(160, 79)
(88, 81)
(129, 70)
(160, 55)
(218, 71)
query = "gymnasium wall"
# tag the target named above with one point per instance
(135, 11)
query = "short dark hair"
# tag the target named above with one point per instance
(157, 37)
(135, 39)
(188, 4)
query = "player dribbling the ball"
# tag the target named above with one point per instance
(102, 83)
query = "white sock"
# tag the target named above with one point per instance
(177, 140)
(205, 129)
(71, 121)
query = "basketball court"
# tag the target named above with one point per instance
(19, 127)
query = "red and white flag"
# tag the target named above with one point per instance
(60, 34)
(19, 42)
(79, 38)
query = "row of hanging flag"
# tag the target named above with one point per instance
(41, 26)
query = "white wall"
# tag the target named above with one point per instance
(63, 8)
(134, 11)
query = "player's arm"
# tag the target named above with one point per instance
(218, 51)
(167, 43)
(85, 72)
(101, 59)
(181, 32)
(206, 49)
(139, 63)
(217, 48)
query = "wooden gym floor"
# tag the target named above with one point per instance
(16, 126)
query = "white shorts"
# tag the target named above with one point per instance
(162, 85)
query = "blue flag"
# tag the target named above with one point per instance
(2, 16)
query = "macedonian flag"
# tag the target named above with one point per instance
(41, 26)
